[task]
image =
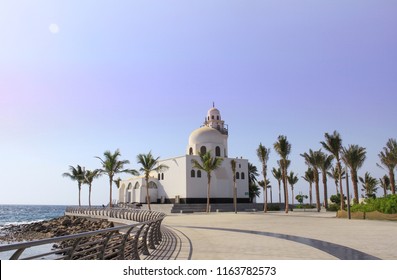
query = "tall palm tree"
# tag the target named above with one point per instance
(89, 177)
(354, 157)
(388, 158)
(334, 174)
(207, 164)
(292, 180)
(325, 165)
(385, 184)
(252, 180)
(369, 185)
(333, 144)
(149, 164)
(283, 148)
(233, 166)
(313, 159)
(76, 174)
(111, 165)
(263, 155)
(309, 177)
(277, 174)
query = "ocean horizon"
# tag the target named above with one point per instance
(16, 214)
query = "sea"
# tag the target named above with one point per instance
(23, 214)
(26, 214)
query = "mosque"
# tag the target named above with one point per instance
(182, 183)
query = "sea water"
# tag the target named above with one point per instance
(26, 214)
(23, 214)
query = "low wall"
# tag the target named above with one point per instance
(367, 215)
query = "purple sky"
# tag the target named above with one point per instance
(141, 75)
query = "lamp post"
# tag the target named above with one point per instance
(348, 194)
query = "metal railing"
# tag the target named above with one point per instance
(127, 242)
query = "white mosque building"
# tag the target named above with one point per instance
(182, 183)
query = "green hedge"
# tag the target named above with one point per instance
(386, 205)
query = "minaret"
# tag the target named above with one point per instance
(214, 120)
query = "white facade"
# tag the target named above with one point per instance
(182, 183)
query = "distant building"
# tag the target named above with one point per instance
(182, 183)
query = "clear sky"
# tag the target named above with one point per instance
(81, 77)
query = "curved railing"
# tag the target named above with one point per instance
(126, 242)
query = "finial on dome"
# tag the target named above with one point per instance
(213, 104)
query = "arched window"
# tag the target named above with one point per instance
(162, 176)
(198, 173)
(213, 117)
(242, 176)
(152, 185)
(237, 175)
(203, 150)
(191, 151)
(217, 151)
(217, 117)
(159, 176)
(136, 186)
(192, 173)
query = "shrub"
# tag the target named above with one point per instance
(386, 205)
(333, 207)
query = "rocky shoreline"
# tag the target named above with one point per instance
(51, 228)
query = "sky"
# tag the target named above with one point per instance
(78, 78)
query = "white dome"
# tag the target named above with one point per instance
(205, 135)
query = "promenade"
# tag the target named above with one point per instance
(280, 236)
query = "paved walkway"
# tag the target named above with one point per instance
(278, 236)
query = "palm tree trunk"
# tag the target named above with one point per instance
(279, 191)
(342, 197)
(292, 197)
(392, 182)
(79, 194)
(208, 193)
(271, 196)
(355, 186)
(265, 189)
(311, 193)
(147, 193)
(89, 196)
(285, 190)
(325, 189)
(317, 183)
(110, 191)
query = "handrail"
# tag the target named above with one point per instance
(122, 242)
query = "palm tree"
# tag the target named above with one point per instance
(325, 165)
(333, 144)
(385, 184)
(149, 164)
(309, 177)
(388, 158)
(111, 165)
(207, 164)
(354, 157)
(277, 174)
(292, 180)
(369, 185)
(253, 187)
(283, 148)
(233, 165)
(334, 174)
(89, 177)
(263, 155)
(76, 174)
(313, 159)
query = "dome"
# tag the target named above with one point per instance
(206, 135)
